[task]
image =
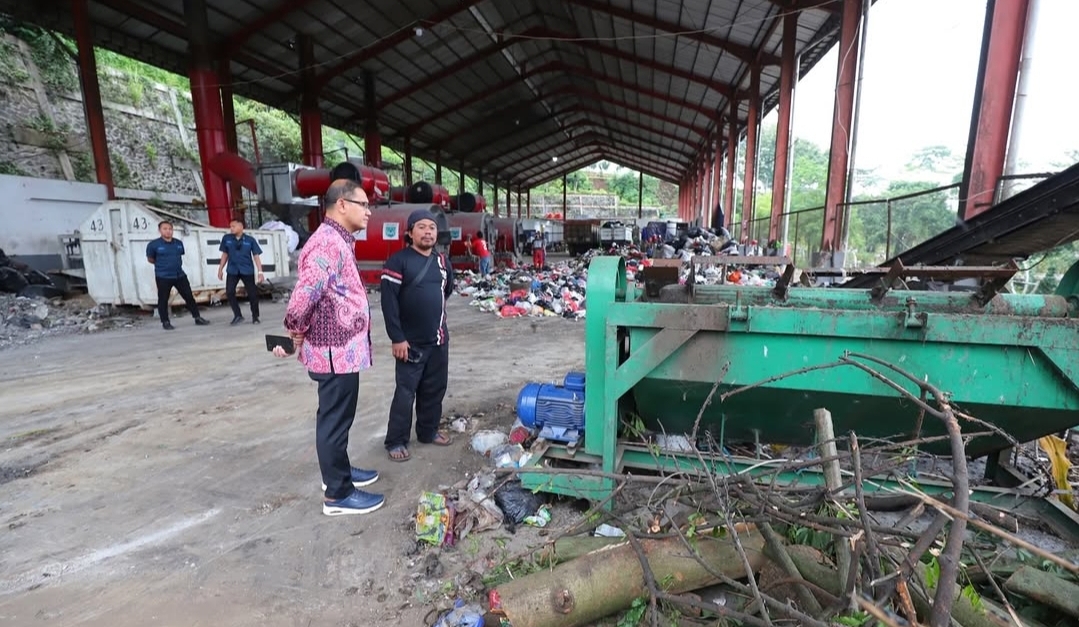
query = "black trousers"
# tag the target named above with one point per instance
(252, 293)
(421, 384)
(337, 396)
(164, 290)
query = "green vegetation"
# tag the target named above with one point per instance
(121, 173)
(51, 54)
(83, 166)
(55, 137)
(9, 167)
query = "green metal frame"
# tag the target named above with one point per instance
(1013, 362)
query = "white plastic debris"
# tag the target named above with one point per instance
(485, 441)
(607, 531)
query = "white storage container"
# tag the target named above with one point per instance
(113, 246)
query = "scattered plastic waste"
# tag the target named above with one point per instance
(676, 443)
(432, 518)
(517, 503)
(540, 518)
(462, 615)
(509, 456)
(484, 441)
(607, 531)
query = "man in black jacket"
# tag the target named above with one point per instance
(416, 282)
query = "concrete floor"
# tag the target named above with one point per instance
(152, 478)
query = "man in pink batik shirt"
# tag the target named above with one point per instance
(329, 320)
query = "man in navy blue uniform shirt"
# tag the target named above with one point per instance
(239, 259)
(167, 255)
(416, 282)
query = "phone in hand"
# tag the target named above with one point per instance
(414, 356)
(284, 341)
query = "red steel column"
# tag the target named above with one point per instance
(372, 142)
(717, 170)
(206, 101)
(310, 117)
(702, 173)
(781, 170)
(842, 117)
(680, 193)
(749, 182)
(91, 95)
(994, 113)
(228, 114)
(732, 157)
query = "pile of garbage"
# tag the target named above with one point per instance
(554, 292)
(18, 278)
(24, 319)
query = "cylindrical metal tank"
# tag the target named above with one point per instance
(506, 231)
(463, 225)
(424, 192)
(373, 181)
(468, 203)
(385, 235)
(465, 202)
(312, 182)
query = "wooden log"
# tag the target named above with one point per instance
(1045, 588)
(572, 547)
(606, 581)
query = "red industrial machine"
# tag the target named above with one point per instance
(385, 235)
(466, 225)
(468, 203)
(289, 190)
(422, 193)
(506, 241)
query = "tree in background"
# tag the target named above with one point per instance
(809, 176)
(626, 186)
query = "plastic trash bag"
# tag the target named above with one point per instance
(484, 441)
(517, 503)
(462, 616)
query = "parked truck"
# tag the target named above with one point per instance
(581, 235)
(615, 233)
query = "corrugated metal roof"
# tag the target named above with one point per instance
(503, 86)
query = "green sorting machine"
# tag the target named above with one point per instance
(653, 357)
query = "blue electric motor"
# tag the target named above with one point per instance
(557, 411)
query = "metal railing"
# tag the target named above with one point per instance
(900, 229)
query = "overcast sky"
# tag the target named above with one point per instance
(921, 64)
(918, 89)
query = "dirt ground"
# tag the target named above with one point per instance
(152, 478)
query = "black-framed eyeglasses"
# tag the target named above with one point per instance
(362, 203)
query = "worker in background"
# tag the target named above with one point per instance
(329, 320)
(240, 259)
(539, 251)
(416, 282)
(167, 256)
(479, 247)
